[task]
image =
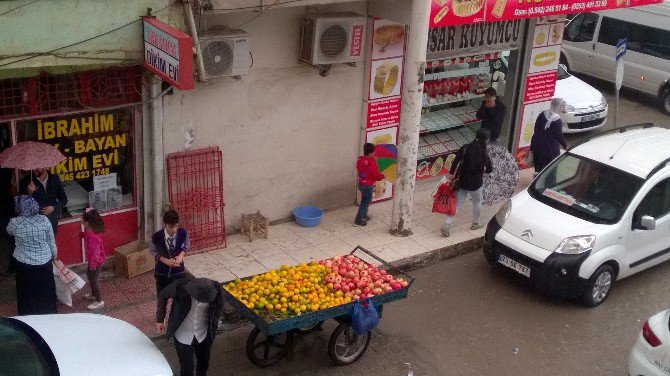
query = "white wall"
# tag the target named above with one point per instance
(289, 137)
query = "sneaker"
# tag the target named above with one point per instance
(476, 226)
(89, 297)
(96, 305)
(445, 230)
(360, 223)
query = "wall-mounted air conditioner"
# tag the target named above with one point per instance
(225, 52)
(332, 38)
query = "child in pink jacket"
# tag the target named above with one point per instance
(95, 254)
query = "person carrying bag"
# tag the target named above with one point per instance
(467, 178)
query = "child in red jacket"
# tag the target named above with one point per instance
(368, 175)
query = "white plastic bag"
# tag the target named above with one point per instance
(62, 292)
(70, 279)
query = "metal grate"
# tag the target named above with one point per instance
(195, 188)
(47, 93)
(14, 97)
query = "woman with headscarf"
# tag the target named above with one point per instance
(33, 255)
(548, 135)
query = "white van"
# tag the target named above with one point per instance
(596, 214)
(589, 47)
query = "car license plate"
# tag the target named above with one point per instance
(590, 117)
(514, 265)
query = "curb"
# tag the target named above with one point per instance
(432, 257)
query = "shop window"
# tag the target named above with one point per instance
(99, 167)
(582, 28)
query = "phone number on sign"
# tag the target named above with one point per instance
(83, 174)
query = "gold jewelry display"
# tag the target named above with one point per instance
(386, 77)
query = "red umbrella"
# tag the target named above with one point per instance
(30, 155)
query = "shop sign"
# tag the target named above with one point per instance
(434, 166)
(387, 57)
(459, 12)
(474, 39)
(510, 9)
(384, 112)
(456, 12)
(168, 52)
(98, 150)
(540, 82)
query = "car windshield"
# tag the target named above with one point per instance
(586, 189)
(21, 351)
(562, 73)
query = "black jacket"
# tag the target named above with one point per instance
(492, 118)
(474, 161)
(54, 194)
(181, 305)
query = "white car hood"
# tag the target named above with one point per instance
(89, 344)
(548, 225)
(577, 93)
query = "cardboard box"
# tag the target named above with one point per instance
(133, 259)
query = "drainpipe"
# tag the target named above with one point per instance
(410, 117)
(158, 173)
(200, 64)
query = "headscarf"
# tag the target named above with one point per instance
(26, 206)
(556, 107)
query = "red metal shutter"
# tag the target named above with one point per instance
(195, 187)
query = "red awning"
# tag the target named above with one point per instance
(458, 12)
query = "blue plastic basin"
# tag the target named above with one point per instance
(307, 216)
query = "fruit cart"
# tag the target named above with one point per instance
(272, 337)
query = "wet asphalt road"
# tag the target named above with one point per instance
(465, 318)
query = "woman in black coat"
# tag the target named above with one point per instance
(469, 166)
(548, 135)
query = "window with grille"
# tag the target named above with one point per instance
(48, 93)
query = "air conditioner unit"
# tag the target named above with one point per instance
(225, 52)
(332, 38)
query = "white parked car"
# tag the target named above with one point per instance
(650, 356)
(586, 107)
(79, 344)
(596, 214)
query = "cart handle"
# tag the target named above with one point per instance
(359, 248)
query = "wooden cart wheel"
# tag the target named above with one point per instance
(264, 350)
(345, 347)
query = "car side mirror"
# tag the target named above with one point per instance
(648, 222)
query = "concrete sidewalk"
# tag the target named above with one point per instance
(133, 300)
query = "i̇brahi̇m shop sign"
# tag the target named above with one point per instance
(93, 143)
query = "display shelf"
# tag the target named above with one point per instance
(472, 96)
(445, 143)
(457, 73)
(449, 118)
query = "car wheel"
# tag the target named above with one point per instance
(598, 286)
(664, 101)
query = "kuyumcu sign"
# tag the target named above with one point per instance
(168, 52)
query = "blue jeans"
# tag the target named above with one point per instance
(366, 199)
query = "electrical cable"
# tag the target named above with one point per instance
(19, 7)
(82, 41)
